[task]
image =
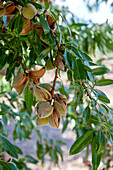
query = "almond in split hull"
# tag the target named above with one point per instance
(9, 7)
(46, 86)
(21, 88)
(41, 94)
(44, 109)
(37, 73)
(42, 121)
(61, 97)
(63, 103)
(54, 119)
(38, 28)
(50, 21)
(59, 108)
(19, 80)
(1, 12)
(27, 26)
(29, 11)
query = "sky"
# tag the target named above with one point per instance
(78, 7)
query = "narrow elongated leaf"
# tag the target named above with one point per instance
(3, 60)
(12, 166)
(19, 151)
(30, 159)
(5, 165)
(79, 72)
(28, 95)
(18, 24)
(103, 99)
(36, 4)
(46, 4)
(10, 70)
(93, 119)
(99, 92)
(100, 70)
(81, 143)
(58, 150)
(86, 113)
(44, 24)
(8, 146)
(101, 141)
(3, 112)
(44, 53)
(12, 21)
(95, 158)
(104, 82)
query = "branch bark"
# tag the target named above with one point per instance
(56, 76)
(88, 94)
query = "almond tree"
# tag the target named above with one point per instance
(35, 37)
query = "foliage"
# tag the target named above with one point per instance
(68, 47)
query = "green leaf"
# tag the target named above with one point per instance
(101, 141)
(19, 151)
(99, 92)
(86, 113)
(28, 96)
(58, 150)
(100, 70)
(35, 4)
(44, 24)
(44, 53)
(18, 24)
(95, 158)
(9, 147)
(103, 99)
(3, 112)
(46, 4)
(5, 165)
(78, 69)
(3, 60)
(104, 82)
(61, 142)
(30, 159)
(81, 143)
(10, 70)
(12, 21)
(12, 166)
(93, 119)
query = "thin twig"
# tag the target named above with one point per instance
(88, 94)
(57, 42)
(56, 75)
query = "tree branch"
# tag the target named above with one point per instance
(56, 75)
(88, 94)
(57, 42)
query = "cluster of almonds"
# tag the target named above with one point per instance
(50, 112)
(28, 12)
(49, 109)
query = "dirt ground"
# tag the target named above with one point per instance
(70, 162)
